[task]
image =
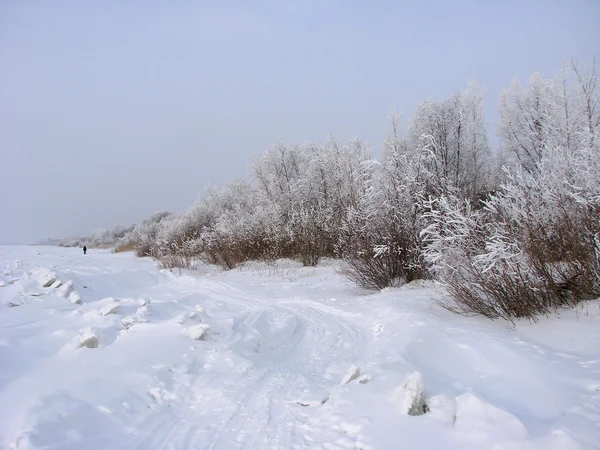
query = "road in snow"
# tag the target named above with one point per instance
(130, 357)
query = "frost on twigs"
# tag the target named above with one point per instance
(533, 245)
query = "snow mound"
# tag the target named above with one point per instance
(442, 408)
(198, 332)
(312, 398)
(409, 397)
(189, 316)
(160, 395)
(481, 420)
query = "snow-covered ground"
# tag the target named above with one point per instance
(115, 354)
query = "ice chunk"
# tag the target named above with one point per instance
(364, 379)
(352, 374)
(44, 277)
(409, 397)
(128, 322)
(74, 297)
(65, 289)
(198, 332)
(89, 340)
(110, 308)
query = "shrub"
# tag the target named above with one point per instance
(382, 243)
(532, 249)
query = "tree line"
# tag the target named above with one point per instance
(511, 233)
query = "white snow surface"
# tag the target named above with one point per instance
(295, 358)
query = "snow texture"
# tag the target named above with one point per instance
(297, 359)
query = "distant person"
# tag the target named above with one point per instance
(84, 249)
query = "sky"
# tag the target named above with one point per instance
(112, 110)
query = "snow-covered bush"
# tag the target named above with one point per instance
(310, 187)
(512, 244)
(381, 236)
(242, 229)
(535, 245)
(457, 137)
(100, 238)
(446, 152)
(143, 236)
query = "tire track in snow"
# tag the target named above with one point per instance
(284, 346)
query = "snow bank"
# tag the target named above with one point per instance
(480, 420)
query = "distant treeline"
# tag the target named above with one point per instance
(101, 238)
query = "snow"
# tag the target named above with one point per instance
(352, 374)
(44, 277)
(295, 358)
(88, 339)
(198, 332)
(410, 396)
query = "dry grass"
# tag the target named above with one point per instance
(124, 247)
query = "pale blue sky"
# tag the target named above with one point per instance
(111, 110)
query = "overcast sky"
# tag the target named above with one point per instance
(112, 110)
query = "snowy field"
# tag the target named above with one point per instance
(104, 351)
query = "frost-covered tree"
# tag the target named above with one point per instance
(310, 187)
(561, 111)
(381, 241)
(143, 236)
(455, 132)
(535, 246)
(100, 238)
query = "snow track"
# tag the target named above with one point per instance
(273, 357)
